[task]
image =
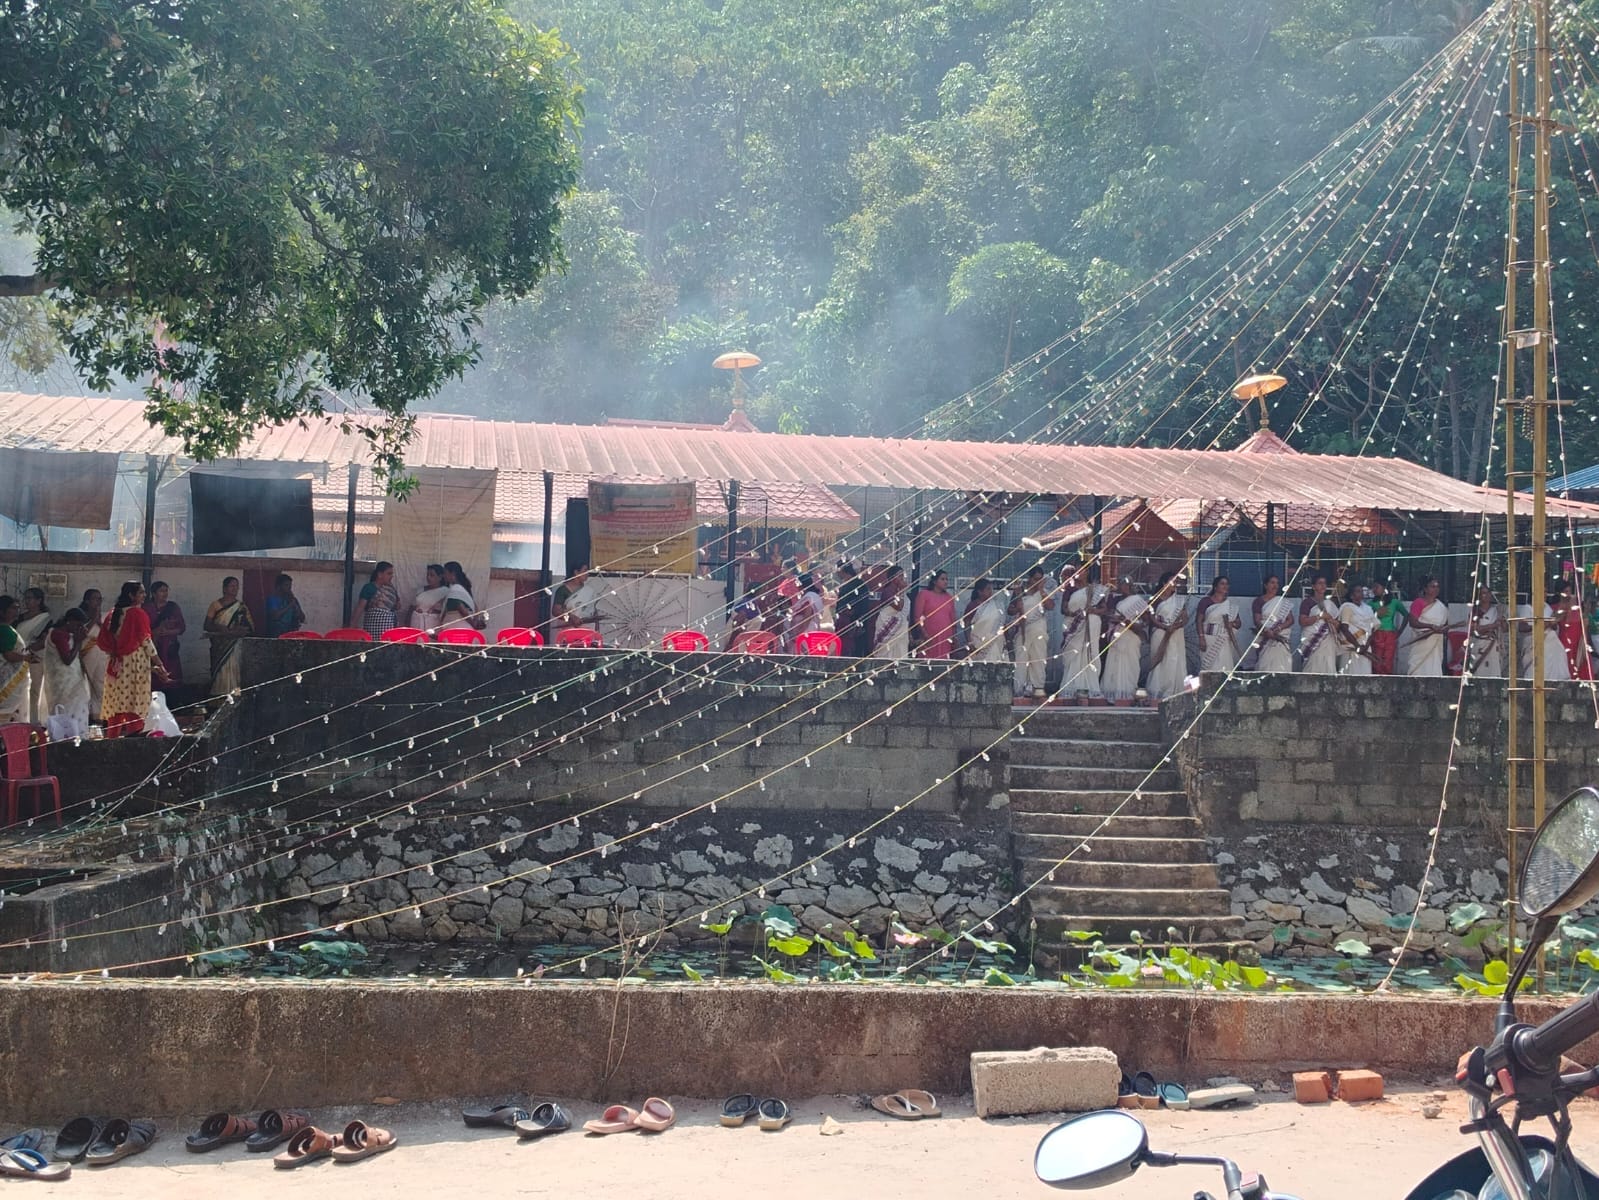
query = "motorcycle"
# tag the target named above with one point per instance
(1519, 1069)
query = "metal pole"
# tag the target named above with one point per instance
(1095, 572)
(349, 544)
(152, 479)
(546, 597)
(1271, 543)
(731, 590)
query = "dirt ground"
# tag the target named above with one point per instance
(1382, 1149)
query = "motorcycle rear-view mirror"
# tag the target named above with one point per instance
(1092, 1150)
(1561, 872)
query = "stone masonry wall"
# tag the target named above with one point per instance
(730, 771)
(924, 871)
(1320, 749)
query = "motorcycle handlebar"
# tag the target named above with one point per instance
(1541, 1046)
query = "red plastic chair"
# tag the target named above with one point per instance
(578, 635)
(518, 635)
(347, 635)
(1455, 660)
(755, 641)
(300, 635)
(18, 772)
(819, 643)
(460, 636)
(686, 639)
(403, 633)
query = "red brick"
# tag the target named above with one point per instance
(1312, 1087)
(1355, 1086)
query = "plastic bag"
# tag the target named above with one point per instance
(160, 719)
(63, 726)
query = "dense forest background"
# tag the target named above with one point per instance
(894, 202)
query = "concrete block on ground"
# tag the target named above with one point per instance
(1071, 1079)
(1355, 1086)
(1313, 1087)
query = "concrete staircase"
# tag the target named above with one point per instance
(1145, 868)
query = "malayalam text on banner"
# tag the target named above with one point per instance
(642, 527)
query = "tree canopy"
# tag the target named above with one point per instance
(254, 203)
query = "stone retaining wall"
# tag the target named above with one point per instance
(1317, 749)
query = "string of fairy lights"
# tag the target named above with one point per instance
(932, 682)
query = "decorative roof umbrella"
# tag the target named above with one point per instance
(1258, 387)
(735, 361)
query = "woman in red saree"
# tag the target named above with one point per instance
(934, 618)
(125, 637)
(1568, 622)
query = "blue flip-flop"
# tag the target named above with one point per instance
(28, 1139)
(1173, 1096)
(31, 1164)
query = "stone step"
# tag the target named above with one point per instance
(1122, 724)
(1191, 904)
(1039, 802)
(1145, 876)
(1152, 927)
(1075, 752)
(1053, 847)
(1102, 827)
(1071, 779)
(1072, 954)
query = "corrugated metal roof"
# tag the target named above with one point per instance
(80, 423)
(1584, 480)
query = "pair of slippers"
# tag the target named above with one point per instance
(528, 1122)
(657, 1116)
(359, 1140)
(1144, 1091)
(770, 1114)
(259, 1135)
(908, 1104)
(99, 1142)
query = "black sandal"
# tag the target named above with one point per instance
(119, 1139)
(75, 1138)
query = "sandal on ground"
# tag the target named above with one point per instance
(618, 1118)
(361, 1140)
(308, 1145)
(28, 1139)
(545, 1118)
(1173, 1096)
(908, 1104)
(30, 1164)
(75, 1138)
(774, 1115)
(657, 1116)
(1147, 1089)
(118, 1140)
(276, 1126)
(220, 1129)
(1125, 1096)
(502, 1115)
(738, 1109)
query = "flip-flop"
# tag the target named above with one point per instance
(308, 1145)
(774, 1115)
(504, 1114)
(276, 1126)
(1173, 1096)
(24, 1163)
(926, 1101)
(75, 1138)
(1125, 1096)
(1147, 1089)
(118, 1140)
(28, 1139)
(738, 1109)
(220, 1129)
(1222, 1097)
(900, 1104)
(657, 1116)
(361, 1140)
(618, 1118)
(546, 1118)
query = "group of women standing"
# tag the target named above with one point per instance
(1565, 650)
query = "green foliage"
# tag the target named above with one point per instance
(293, 196)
